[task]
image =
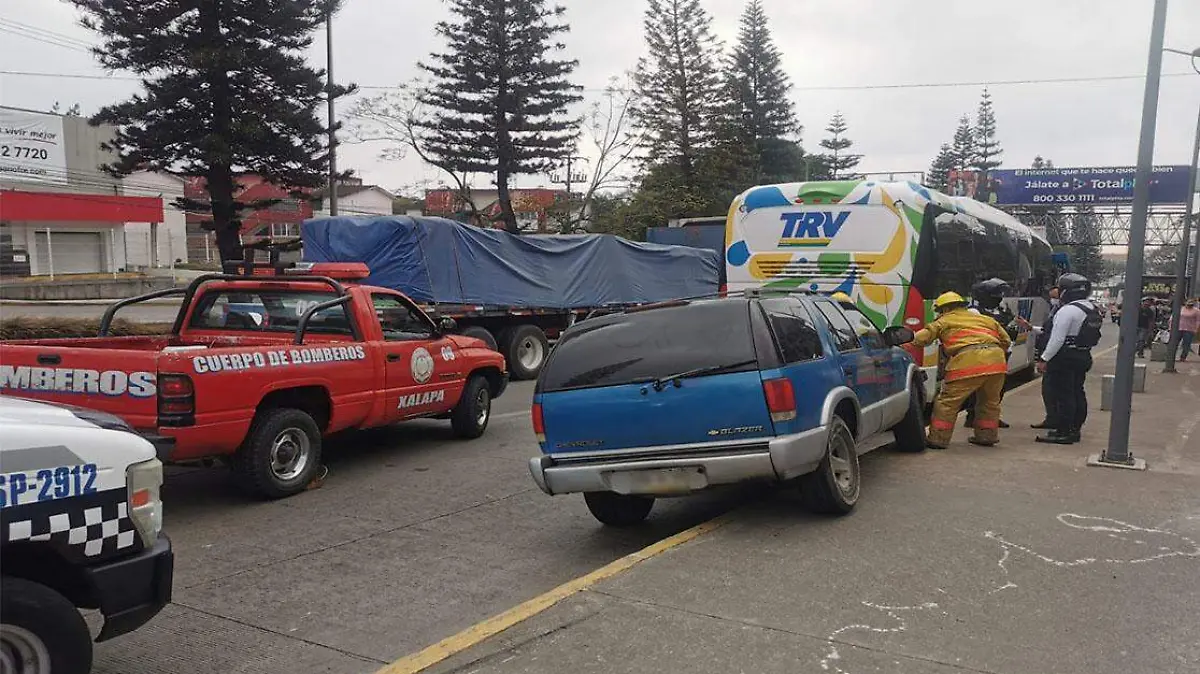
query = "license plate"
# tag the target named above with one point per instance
(658, 480)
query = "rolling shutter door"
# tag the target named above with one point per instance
(74, 252)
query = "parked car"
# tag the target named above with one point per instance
(681, 396)
(80, 528)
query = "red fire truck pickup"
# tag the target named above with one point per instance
(261, 365)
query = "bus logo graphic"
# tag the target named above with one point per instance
(810, 229)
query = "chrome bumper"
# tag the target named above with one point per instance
(779, 458)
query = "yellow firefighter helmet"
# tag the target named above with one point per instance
(841, 297)
(947, 301)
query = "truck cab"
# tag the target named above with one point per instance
(80, 528)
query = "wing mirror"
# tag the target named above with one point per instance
(447, 324)
(898, 335)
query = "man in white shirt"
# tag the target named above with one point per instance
(1065, 361)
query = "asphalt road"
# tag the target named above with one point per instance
(415, 535)
(1011, 560)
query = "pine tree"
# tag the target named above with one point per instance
(963, 145)
(762, 112)
(501, 100)
(838, 160)
(227, 90)
(682, 99)
(1040, 163)
(939, 171)
(987, 147)
(1086, 257)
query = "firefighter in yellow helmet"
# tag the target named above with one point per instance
(975, 346)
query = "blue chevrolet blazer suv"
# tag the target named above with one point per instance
(673, 398)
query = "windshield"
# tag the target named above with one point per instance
(645, 346)
(268, 310)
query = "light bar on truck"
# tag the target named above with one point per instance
(339, 271)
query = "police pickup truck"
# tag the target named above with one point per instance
(80, 528)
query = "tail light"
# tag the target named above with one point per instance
(176, 400)
(539, 425)
(781, 399)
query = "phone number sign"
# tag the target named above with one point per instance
(1086, 186)
(31, 146)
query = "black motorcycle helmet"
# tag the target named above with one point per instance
(991, 292)
(1074, 287)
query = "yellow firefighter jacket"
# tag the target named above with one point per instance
(975, 344)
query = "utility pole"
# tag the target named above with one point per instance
(333, 199)
(1117, 452)
(567, 180)
(1184, 253)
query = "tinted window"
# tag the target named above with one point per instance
(645, 345)
(399, 321)
(793, 329)
(844, 337)
(868, 335)
(267, 311)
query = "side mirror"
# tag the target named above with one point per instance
(447, 324)
(898, 335)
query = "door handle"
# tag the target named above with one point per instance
(49, 359)
(393, 357)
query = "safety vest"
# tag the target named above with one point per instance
(975, 344)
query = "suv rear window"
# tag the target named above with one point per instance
(643, 346)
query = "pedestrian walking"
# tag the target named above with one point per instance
(987, 298)
(1189, 323)
(1147, 317)
(1067, 357)
(974, 346)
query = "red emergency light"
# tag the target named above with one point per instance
(339, 271)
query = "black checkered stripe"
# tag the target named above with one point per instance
(85, 529)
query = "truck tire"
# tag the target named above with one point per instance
(833, 488)
(525, 349)
(474, 409)
(281, 454)
(482, 333)
(910, 432)
(618, 510)
(39, 626)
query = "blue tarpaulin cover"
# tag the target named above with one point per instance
(443, 261)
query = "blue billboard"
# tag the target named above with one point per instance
(1080, 186)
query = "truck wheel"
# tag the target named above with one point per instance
(525, 348)
(41, 632)
(910, 432)
(481, 333)
(281, 454)
(470, 416)
(618, 510)
(833, 488)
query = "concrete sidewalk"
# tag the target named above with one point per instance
(1014, 559)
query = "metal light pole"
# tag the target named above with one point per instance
(1117, 452)
(1181, 262)
(333, 199)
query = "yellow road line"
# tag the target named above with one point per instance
(1037, 380)
(416, 662)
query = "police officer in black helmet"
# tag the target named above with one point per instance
(1074, 329)
(987, 298)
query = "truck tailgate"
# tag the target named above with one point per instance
(118, 381)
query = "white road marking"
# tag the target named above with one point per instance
(1175, 545)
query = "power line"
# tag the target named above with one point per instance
(46, 40)
(851, 87)
(62, 37)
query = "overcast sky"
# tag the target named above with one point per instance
(824, 44)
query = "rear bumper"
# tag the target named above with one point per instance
(132, 590)
(779, 458)
(164, 445)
